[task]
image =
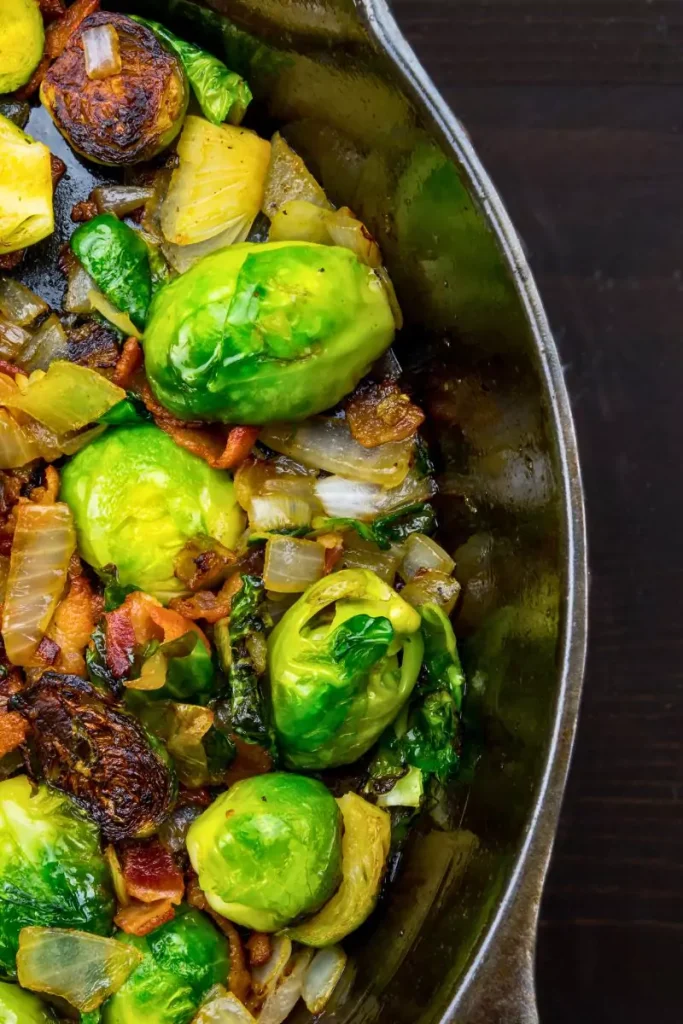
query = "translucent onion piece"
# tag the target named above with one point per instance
(265, 977)
(432, 587)
(12, 340)
(44, 541)
(292, 565)
(18, 303)
(396, 310)
(288, 179)
(182, 257)
(218, 183)
(65, 398)
(101, 51)
(80, 285)
(152, 674)
(327, 444)
(118, 880)
(300, 221)
(47, 344)
(121, 320)
(278, 512)
(17, 446)
(362, 554)
(350, 233)
(321, 978)
(222, 1007)
(282, 1000)
(82, 968)
(421, 552)
(4, 573)
(353, 500)
(121, 199)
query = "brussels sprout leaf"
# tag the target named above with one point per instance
(128, 411)
(248, 711)
(115, 593)
(99, 673)
(388, 529)
(441, 659)
(360, 642)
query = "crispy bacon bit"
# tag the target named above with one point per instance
(203, 562)
(51, 9)
(73, 624)
(378, 413)
(259, 948)
(83, 210)
(249, 760)
(150, 873)
(57, 170)
(59, 32)
(13, 731)
(9, 369)
(142, 918)
(239, 979)
(46, 653)
(240, 442)
(334, 549)
(128, 363)
(151, 621)
(207, 605)
(48, 492)
(10, 260)
(120, 642)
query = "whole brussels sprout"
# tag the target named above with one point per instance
(261, 332)
(268, 850)
(335, 686)
(51, 869)
(137, 498)
(182, 961)
(20, 1007)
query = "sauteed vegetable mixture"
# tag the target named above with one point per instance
(228, 679)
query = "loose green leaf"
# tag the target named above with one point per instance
(115, 593)
(385, 530)
(248, 709)
(129, 410)
(117, 259)
(441, 659)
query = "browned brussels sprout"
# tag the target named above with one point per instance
(127, 116)
(88, 747)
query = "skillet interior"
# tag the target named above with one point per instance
(476, 363)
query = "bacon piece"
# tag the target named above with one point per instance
(48, 492)
(13, 731)
(59, 32)
(10, 260)
(46, 653)
(120, 642)
(51, 9)
(142, 918)
(73, 624)
(128, 363)
(35, 81)
(150, 873)
(9, 369)
(57, 170)
(151, 621)
(250, 759)
(239, 979)
(259, 948)
(84, 210)
(203, 563)
(379, 413)
(207, 605)
(240, 442)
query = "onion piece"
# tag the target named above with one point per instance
(432, 587)
(421, 552)
(82, 968)
(300, 221)
(284, 998)
(12, 340)
(397, 312)
(47, 344)
(121, 199)
(278, 512)
(102, 51)
(121, 320)
(292, 565)
(222, 1007)
(321, 978)
(79, 286)
(65, 398)
(362, 554)
(44, 541)
(17, 446)
(182, 257)
(265, 977)
(350, 499)
(327, 444)
(18, 303)
(350, 233)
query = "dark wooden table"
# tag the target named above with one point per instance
(576, 108)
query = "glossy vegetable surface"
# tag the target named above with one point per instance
(26, 214)
(268, 850)
(257, 333)
(21, 42)
(19, 1007)
(137, 498)
(118, 262)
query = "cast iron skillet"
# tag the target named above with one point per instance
(454, 938)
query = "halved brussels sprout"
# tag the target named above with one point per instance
(125, 117)
(336, 685)
(19, 1007)
(365, 848)
(268, 850)
(262, 332)
(137, 497)
(51, 869)
(183, 960)
(26, 213)
(21, 42)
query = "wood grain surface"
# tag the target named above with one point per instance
(576, 108)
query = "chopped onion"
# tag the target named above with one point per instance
(79, 286)
(397, 313)
(17, 446)
(82, 968)
(266, 976)
(353, 500)
(18, 303)
(300, 221)
(44, 541)
(321, 978)
(292, 565)
(121, 199)
(101, 51)
(327, 444)
(278, 512)
(350, 233)
(222, 1007)
(121, 320)
(284, 998)
(182, 257)
(47, 344)
(12, 340)
(361, 554)
(421, 552)
(65, 398)
(407, 792)
(432, 587)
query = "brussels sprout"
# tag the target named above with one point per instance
(268, 850)
(21, 42)
(117, 260)
(126, 117)
(256, 333)
(19, 1007)
(137, 497)
(26, 214)
(336, 685)
(51, 869)
(182, 961)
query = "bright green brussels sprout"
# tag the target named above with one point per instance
(256, 333)
(52, 872)
(335, 686)
(182, 961)
(137, 498)
(268, 850)
(20, 1007)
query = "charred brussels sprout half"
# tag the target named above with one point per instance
(126, 117)
(268, 850)
(88, 747)
(256, 333)
(137, 498)
(20, 1007)
(336, 685)
(51, 869)
(182, 961)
